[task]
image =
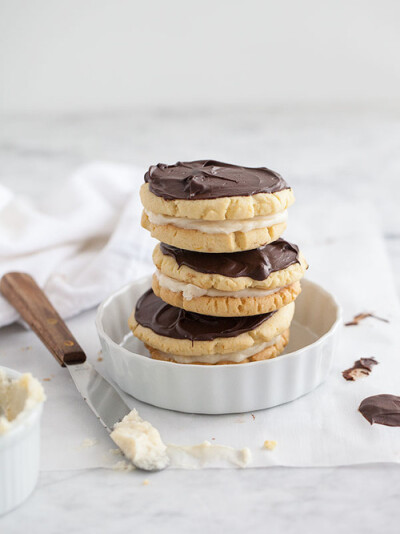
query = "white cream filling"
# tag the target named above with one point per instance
(190, 291)
(218, 227)
(235, 357)
(17, 396)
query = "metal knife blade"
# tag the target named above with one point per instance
(101, 396)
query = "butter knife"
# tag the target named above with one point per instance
(22, 292)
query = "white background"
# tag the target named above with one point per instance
(105, 55)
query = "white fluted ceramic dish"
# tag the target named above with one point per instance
(219, 389)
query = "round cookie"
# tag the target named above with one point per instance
(209, 206)
(177, 332)
(229, 285)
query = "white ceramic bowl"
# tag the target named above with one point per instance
(19, 456)
(222, 388)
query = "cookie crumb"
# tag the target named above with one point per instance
(269, 444)
(361, 316)
(122, 465)
(146, 482)
(253, 416)
(46, 379)
(115, 452)
(29, 347)
(240, 420)
(99, 359)
(89, 442)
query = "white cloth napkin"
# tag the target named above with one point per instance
(324, 428)
(79, 242)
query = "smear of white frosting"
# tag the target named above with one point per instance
(206, 454)
(190, 291)
(141, 443)
(219, 227)
(17, 397)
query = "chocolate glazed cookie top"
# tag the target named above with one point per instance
(166, 320)
(257, 264)
(208, 179)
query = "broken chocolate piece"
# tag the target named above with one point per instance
(359, 317)
(381, 409)
(360, 369)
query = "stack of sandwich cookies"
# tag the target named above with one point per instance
(173, 334)
(208, 206)
(225, 283)
(229, 284)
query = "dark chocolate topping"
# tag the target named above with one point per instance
(381, 409)
(361, 367)
(207, 179)
(166, 320)
(257, 264)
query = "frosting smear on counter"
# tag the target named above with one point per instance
(197, 456)
(142, 444)
(17, 397)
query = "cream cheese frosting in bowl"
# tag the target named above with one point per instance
(21, 403)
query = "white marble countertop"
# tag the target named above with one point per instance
(326, 154)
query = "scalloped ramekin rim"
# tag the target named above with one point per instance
(208, 368)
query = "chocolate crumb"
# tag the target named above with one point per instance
(381, 409)
(360, 369)
(361, 316)
(253, 416)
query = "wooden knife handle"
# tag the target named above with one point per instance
(23, 293)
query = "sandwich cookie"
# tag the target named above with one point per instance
(229, 284)
(180, 336)
(209, 206)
